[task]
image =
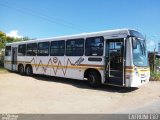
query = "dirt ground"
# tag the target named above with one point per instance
(42, 94)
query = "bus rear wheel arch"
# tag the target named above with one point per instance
(21, 69)
(94, 77)
(28, 70)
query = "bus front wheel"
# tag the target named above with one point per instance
(94, 79)
(29, 70)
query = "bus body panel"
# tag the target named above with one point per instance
(57, 66)
(8, 63)
(75, 66)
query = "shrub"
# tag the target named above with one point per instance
(2, 61)
(155, 76)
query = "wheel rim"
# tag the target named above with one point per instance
(91, 79)
(21, 70)
(28, 71)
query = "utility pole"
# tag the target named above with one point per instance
(154, 59)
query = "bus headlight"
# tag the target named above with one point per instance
(136, 72)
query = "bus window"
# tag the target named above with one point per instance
(8, 51)
(139, 53)
(22, 50)
(43, 49)
(32, 49)
(57, 48)
(94, 46)
(75, 47)
(116, 53)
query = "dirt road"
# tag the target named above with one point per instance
(41, 94)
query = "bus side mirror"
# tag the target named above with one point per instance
(134, 43)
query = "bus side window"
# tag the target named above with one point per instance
(94, 46)
(31, 49)
(8, 51)
(43, 49)
(57, 48)
(75, 47)
(22, 50)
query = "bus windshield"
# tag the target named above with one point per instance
(140, 57)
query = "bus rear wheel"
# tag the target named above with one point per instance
(28, 70)
(21, 69)
(94, 79)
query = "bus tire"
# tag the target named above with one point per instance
(94, 79)
(29, 70)
(21, 69)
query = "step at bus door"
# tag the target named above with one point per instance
(14, 58)
(115, 61)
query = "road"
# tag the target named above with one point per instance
(42, 94)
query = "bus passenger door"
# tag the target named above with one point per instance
(115, 61)
(14, 58)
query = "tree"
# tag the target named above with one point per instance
(25, 38)
(3, 39)
(6, 39)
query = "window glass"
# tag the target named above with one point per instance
(115, 45)
(8, 51)
(22, 50)
(139, 53)
(75, 47)
(57, 48)
(94, 46)
(32, 49)
(43, 49)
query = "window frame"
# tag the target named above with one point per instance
(38, 49)
(8, 51)
(31, 49)
(52, 42)
(22, 50)
(76, 39)
(91, 39)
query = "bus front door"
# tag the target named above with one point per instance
(14, 58)
(114, 61)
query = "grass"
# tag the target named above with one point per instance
(155, 76)
(3, 70)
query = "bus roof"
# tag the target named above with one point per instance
(130, 32)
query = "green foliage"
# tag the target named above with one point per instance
(25, 38)
(151, 57)
(154, 62)
(3, 70)
(6, 39)
(155, 76)
(1, 60)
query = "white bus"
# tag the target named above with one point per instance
(114, 57)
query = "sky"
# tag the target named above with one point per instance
(50, 18)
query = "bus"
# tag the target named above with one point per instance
(114, 57)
